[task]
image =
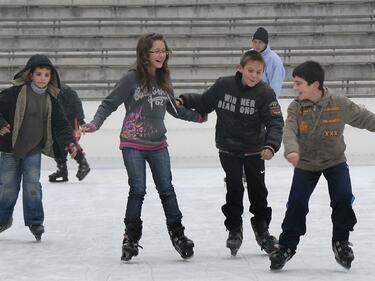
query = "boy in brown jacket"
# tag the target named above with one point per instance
(314, 145)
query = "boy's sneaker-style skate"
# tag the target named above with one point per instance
(183, 245)
(7, 225)
(83, 169)
(234, 240)
(61, 175)
(280, 257)
(343, 253)
(129, 248)
(37, 230)
(266, 241)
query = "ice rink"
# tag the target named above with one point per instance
(84, 227)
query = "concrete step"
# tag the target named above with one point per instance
(185, 8)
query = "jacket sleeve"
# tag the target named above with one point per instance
(63, 131)
(77, 107)
(110, 104)
(273, 120)
(204, 103)
(8, 99)
(183, 113)
(358, 116)
(290, 134)
(277, 78)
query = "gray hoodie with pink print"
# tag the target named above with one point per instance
(143, 126)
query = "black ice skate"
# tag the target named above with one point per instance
(234, 240)
(343, 253)
(83, 169)
(61, 175)
(129, 248)
(6, 225)
(266, 241)
(37, 230)
(280, 257)
(183, 245)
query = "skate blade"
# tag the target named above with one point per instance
(58, 180)
(344, 264)
(187, 255)
(38, 238)
(276, 266)
(233, 252)
(84, 175)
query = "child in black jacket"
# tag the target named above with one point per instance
(248, 131)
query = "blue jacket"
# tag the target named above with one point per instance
(274, 74)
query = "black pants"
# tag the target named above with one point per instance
(64, 155)
(340, 192)
(257, 191)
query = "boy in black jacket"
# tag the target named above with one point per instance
(32, 122)
(72, 106)
(248, 131)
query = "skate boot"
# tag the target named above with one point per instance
(266, 241)
(129, 248)
(343, 253)
(280, 256)
(83, 169)
(37, 230)
(7, 225)
(234, 240)
(183, 245)
(61, 175)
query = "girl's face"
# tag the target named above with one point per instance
(251, 72)
(41, 76)
(157, 56)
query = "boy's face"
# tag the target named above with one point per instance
(258, 45)
(304, 91)
(251, 72)
(41, 76)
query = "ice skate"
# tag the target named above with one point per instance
(7, 225)
(266, 241)
(61, 175)
(129, 248)
(83, 169)
(37, 230)
(343, 253)
(183, 245)
(234, 240)
(280, 257)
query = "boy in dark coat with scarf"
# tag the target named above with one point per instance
(32, 122)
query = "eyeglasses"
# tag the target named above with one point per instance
(159, 52)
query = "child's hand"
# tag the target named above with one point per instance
(72, 148)
(5, 130)
(266, 154)
(89, 128)
(293, 158)
(179, 101)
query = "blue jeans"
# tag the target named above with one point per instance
(159, 162)
(340, 192)
(12, 170)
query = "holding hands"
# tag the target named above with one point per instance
(5, 130)
(89, 127)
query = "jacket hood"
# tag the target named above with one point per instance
(38, 60)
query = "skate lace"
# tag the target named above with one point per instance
(344, 247)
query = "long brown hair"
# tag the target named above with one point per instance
(163, 77)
